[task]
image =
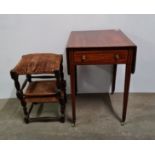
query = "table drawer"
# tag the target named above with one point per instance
(97, 57)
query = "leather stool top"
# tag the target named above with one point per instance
(38, 63)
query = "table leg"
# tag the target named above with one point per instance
(114, 78)
(76, 80)
(72, 82)
(126, 91)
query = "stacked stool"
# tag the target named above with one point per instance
(44, 83)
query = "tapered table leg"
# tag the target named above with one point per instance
(72, 82)
(114, 78)
(126, 91)
(76, 80)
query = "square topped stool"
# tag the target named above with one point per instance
(50, 89)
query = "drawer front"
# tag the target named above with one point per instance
(99, 57)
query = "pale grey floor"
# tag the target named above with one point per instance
(98, 117)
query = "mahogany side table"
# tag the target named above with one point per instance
(100, 47)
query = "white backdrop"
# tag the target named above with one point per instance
(21, 34)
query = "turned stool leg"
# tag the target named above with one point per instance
(63, 82)
(60, 86)
(62, 110)
(19, 94)
(28, 76)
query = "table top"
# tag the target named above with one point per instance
(99, 39)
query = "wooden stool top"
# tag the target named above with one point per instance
(38, 63)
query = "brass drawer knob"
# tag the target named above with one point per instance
(117, 56)
(83, 58)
